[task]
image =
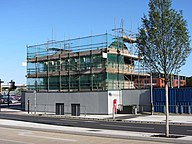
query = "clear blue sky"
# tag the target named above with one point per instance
(31, 22)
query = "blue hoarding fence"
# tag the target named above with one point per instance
(180, 100)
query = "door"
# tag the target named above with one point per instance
(75, 109)
(59, 108)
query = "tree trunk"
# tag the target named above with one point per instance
(167, 109)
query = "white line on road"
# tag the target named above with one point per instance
(14, 141)
(189, 130)
(127, 126)
(27, 134)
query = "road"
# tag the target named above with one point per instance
(21, 136)
(136, 127)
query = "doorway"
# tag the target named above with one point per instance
(60, 109)
(75, 109)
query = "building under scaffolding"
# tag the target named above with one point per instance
(99, 62)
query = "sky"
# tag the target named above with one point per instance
(29, 22)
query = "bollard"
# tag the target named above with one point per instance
(135, 110)
(189, 109)
(177, 109)
(152, 109)
(113, 113)
(181, 109)
(28, 106)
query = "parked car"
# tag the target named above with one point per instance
(4, 99)
(19, 100)
(12, 101)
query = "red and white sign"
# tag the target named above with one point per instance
(115, 105)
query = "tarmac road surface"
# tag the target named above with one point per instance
(123, 126)
(22, 136)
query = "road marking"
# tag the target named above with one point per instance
(189, 130)
(14, 141)
(127, 126)
(27, 134)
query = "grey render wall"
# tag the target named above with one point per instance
(139, 97)
(90, 102)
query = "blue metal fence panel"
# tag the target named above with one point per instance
(180, 100)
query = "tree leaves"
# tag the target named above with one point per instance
(163, 39)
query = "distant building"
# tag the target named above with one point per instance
(5, 87)
(178, 81)
(158, 81)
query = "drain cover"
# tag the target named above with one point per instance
(118, 119)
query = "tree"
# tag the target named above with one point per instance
(163, 42)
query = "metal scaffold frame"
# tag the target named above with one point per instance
(99, 62)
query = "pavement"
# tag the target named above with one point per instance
(140, 118)
(174, 119)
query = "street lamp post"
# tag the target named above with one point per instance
(151, 77)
